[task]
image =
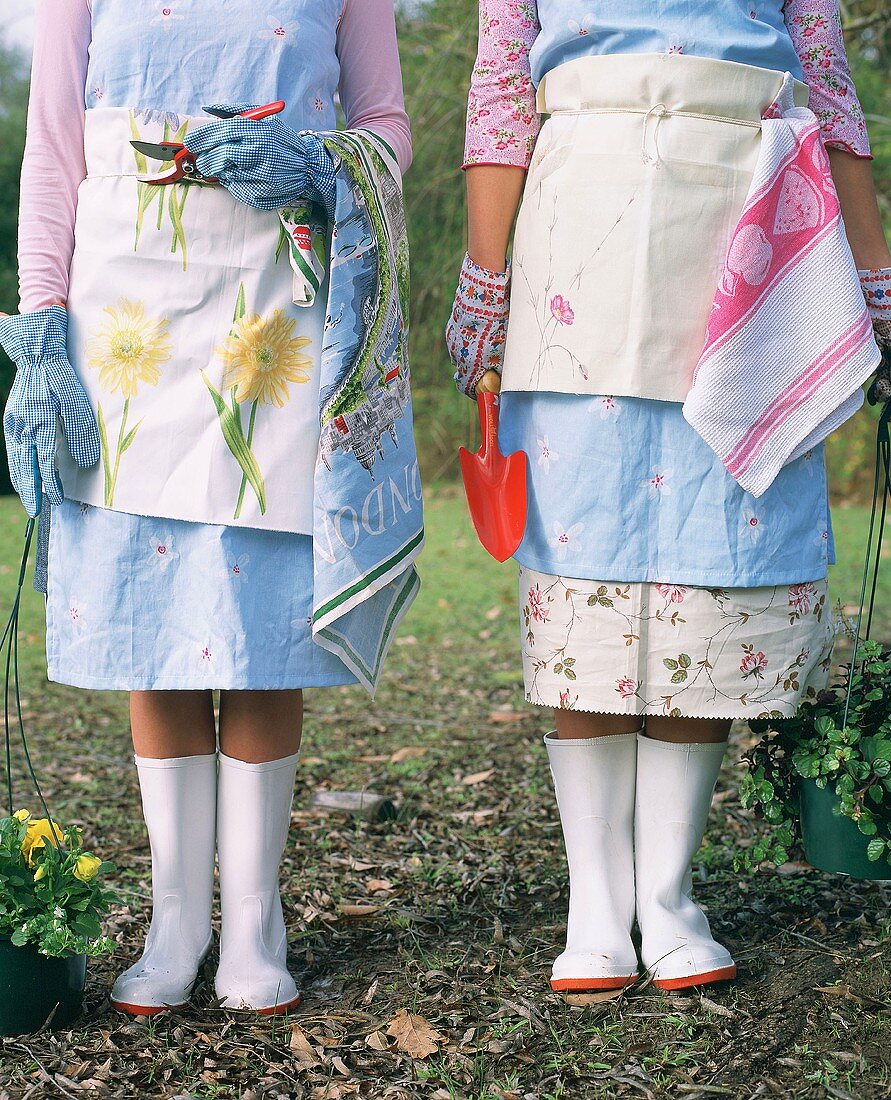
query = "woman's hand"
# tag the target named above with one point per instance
(876, 284)
(477, 328)
(264, 164)
(46, 388)
(489, 383)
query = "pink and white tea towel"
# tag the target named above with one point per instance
(790, 341)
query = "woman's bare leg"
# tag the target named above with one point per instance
(688, 731)
(580, 724)
(258, 726)
(171, 724)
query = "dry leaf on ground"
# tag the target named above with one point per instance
(410, 752)
(477, 777)
(301, 1048)
(579, 1000)
(359, 912)
(413, 1035)
(378, 1041)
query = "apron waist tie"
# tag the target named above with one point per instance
(659, 111)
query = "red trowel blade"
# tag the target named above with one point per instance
(496, 486)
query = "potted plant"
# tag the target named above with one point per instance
(51, 902)
(823, 778)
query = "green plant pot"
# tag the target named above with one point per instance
(832, 842)
(31, 985)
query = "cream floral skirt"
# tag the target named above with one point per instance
(672, 649)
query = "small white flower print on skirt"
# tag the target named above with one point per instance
(673, 649)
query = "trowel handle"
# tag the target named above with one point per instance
(487, 403)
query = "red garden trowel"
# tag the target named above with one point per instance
(496, 486)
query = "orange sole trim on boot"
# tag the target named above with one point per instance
(146, 1010)
(279, 1010)
(590, 985)
(725, 974)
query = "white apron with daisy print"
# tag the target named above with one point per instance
(202, 370)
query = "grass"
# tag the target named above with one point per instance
(468, 897)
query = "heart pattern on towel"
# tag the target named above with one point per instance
(800, 204)
(749, 257)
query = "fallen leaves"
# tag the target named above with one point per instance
(477, 777)
(507, 716)
(410, 752)
(582, 1000)
(846, 993)
(413, 1035)
(359, 912)
(302, 1049)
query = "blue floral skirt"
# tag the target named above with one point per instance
(623, 489)
(136, 603)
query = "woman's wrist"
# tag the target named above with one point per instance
(489, 259)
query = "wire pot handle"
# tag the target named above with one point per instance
(9, 653)
(881, 494)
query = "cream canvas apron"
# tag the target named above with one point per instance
(203, 373)
(638, 180)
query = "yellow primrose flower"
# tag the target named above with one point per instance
(86, 868)
(21, 815)
(262, 355)
(39, 832)
(40, 872)
(130, 348)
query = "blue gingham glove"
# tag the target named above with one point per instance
(44, 389)
(477, 328)
(264, 164)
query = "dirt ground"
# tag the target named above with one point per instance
(423, 943)
(452, 913)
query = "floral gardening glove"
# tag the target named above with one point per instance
(876, 283)
(477, 329)
(264, 164)
(44, 389)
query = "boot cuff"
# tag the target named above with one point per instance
(166, 763)
(265, 766)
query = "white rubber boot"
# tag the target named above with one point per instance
(675, 784)
(179, 799)
(253, 815)
(594, 781)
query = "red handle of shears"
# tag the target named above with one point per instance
(258, 113)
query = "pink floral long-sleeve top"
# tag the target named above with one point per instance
(521, 40)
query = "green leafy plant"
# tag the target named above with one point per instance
(51, 891)
(852, 757)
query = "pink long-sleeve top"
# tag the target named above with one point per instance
(520, 40)
(67, 76)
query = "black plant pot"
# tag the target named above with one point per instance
(32, 986)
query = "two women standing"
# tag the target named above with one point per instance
(224, 341)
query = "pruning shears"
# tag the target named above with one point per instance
(183, 168)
